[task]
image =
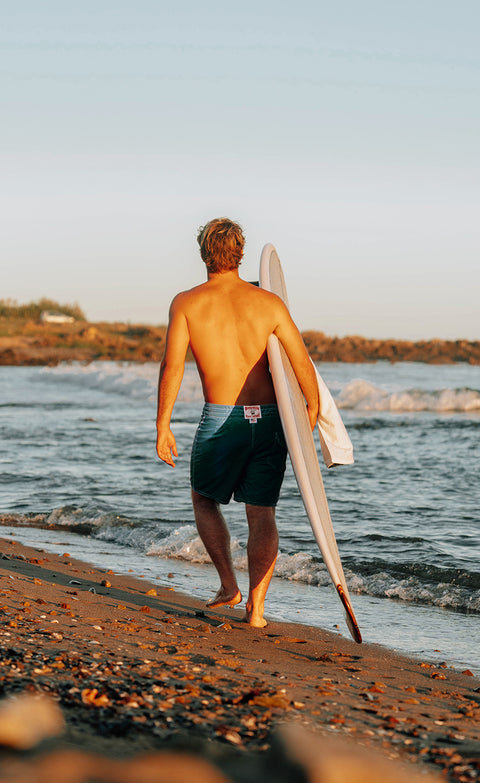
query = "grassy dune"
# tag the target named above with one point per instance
(25, 340)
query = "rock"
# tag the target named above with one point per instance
(25, 720)
(78, 767)
(333, 760)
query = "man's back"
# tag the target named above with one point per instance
(229, 322)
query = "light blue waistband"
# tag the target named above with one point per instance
(225, 411)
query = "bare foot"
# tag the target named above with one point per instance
(223, 598)
(255, 619)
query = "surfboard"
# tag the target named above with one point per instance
(301, 445)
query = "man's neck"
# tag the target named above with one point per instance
(230, 276)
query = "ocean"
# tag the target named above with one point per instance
(79, 473)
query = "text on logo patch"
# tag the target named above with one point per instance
(252, 413)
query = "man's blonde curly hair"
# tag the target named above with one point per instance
(221, 244)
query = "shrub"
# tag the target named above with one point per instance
(9, 308)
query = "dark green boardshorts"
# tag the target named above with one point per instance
(239, 450)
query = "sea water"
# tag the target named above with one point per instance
(79, 474)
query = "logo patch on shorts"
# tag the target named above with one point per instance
(252, 413)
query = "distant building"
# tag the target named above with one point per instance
(51, 317)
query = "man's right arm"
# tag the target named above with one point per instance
(292, 341)
(170, 377)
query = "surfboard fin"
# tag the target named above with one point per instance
(349, 615)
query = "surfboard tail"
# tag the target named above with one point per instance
(349, 615)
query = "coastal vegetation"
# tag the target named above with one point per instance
(26, 340)
(11, 310)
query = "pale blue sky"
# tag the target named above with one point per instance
(345, 133)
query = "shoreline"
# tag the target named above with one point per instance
(190, 578)
(137, 666)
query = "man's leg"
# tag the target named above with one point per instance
(262, 550)
(213, 531)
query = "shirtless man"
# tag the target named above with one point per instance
(239, 447)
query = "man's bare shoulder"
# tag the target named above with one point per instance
(269, 297)
(183, 298)
(271, 302)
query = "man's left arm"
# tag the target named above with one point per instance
(170, 377)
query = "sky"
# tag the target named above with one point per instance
(346, 134)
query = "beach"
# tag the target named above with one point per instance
(138, 667)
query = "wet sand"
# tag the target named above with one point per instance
(139, 668)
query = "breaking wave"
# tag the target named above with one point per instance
(139, 381)
(359, 395)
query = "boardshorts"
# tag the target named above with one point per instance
(239, 450)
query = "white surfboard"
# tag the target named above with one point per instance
(300, 443)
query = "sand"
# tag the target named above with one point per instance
(137, 668)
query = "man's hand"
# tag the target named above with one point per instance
(312, 416)
(166, 446)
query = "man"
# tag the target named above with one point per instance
(239, 447)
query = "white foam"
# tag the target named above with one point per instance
(412, 590)
(132, 380)
(301, 567)
(360, 395)
(138, 381)
(183, 543)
